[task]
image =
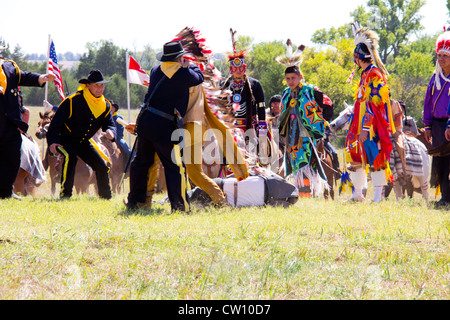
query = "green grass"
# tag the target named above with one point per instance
(87, 248)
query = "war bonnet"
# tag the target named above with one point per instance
(370, 39)
(442, 47)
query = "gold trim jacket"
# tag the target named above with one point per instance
(75, 122)
(10, 116)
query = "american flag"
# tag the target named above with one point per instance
(53, 68)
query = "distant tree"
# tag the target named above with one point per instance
(410, 81)
(68, 56)
(327, 37)
(18, 56)
(329, 70)
(411, 73)
(104, 56)
(147, 58)
(393, 20)
(220, 62)
(114, 90)
(332, 35)
(33, 56)
(448, 8)
(262, 66)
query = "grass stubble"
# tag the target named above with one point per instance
(87, 248)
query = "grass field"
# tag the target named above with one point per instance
(87, 248)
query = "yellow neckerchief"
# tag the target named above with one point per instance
(3, 81)
(114, 114)
(97, 105)
(169, 68)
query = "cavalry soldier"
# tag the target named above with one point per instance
(164, 107)
(70, 133)
(11, 122)
(119, 122)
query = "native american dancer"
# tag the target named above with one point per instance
(246, 100)
(368, 142)
(436, 116)
(302, 124)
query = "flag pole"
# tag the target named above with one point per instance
(46, 87)
(127, 62)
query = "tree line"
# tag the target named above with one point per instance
(327, 64)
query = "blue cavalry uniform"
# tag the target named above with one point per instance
(72, 126)
(120, 141)
(11, 121)
(168, 91)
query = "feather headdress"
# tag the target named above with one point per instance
(443, 47)
(193, 42)
(291, 58)
(346, 183)
(240, 54)
(370, 39)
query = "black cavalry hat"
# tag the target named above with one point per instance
(171, 51)
(95, 76)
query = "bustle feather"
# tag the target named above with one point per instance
(193, 42)
(291, 58)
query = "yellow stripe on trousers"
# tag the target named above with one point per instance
(100, 152)
(176, 149)
(64, 169)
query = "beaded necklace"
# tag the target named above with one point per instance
(293, 97)
(237, 86)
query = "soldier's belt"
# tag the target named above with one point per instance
(161, 113)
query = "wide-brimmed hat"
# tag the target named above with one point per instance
(95, 76)
(115, 105)
(171, 51)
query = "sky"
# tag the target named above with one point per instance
(132, 24)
